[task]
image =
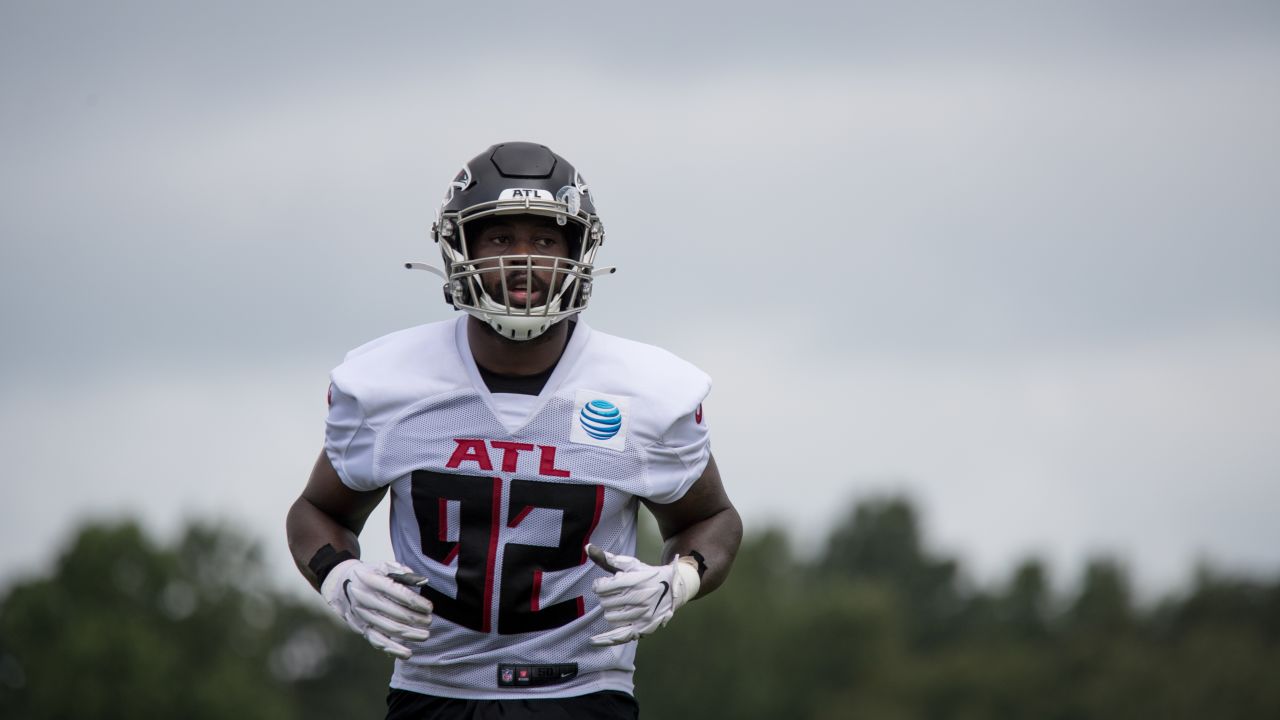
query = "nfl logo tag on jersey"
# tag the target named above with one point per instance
(600, 420)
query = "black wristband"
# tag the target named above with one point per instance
(702, 562)
(326, 559)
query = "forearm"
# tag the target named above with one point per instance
(388, 614)
(309, 529)
(327, 513)
(716, 538)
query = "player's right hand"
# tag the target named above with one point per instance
(387, 613)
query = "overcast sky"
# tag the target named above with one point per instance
(1018, 262)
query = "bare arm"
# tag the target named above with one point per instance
(327, 512)
(702, 520)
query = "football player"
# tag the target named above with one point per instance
(517, 444)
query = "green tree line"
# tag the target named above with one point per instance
(877, 625)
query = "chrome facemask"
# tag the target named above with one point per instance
(568, 287)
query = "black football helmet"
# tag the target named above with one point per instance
(518, 178)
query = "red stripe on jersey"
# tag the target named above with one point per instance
(581, 607)
(443, 535)
(486, 624)
(519, 518)
(537, 589)
(448, 559)
(595, 520)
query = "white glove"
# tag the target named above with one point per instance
(385, 612)
(641, 598)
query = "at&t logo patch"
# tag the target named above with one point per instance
(600, 420)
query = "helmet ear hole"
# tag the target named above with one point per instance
(458, 291)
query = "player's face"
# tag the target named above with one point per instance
(518, 235)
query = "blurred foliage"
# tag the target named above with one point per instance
(876, 626)
(127, 629)
(879, 627)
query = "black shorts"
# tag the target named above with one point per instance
(607, 705)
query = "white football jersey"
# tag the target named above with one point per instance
(494, 496)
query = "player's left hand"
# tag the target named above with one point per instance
(641, 598)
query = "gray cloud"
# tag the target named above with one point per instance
(931, 209)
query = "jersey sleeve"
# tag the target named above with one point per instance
(679, 457)
(348, 441)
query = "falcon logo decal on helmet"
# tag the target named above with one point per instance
(461, 182)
